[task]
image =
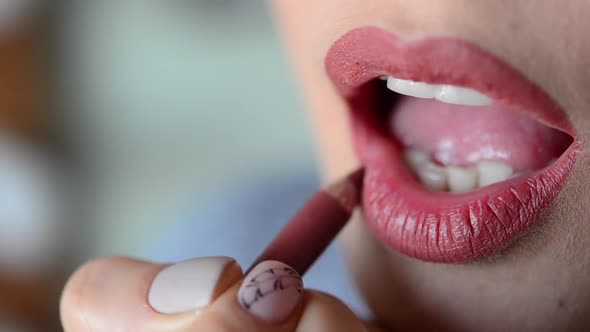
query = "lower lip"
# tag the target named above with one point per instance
(443, 227)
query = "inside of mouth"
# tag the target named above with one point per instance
(458, 148)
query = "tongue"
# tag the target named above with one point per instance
(465, 135)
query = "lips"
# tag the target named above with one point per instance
(429, 225)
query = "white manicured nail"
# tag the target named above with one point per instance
(192, 285)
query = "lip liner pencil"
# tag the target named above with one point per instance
(315, 225)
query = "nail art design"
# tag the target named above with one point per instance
(271, 291)
(268, 282)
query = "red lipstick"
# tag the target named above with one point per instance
(438, 226)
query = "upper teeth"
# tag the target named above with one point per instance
(444, 92)
(454, 178)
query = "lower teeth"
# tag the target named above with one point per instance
(456, 179)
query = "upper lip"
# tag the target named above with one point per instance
(437, 226)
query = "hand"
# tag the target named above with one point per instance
(204, 294)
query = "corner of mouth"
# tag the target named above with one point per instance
(399, 206)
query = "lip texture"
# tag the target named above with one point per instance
(435, 226)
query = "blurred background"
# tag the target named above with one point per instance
(157, 129)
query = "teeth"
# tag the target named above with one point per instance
(432, 176)
(416, 158)
(461, 179)
(411, 88)
(461, 96)
(491, 172)
(454, 178)
(450, 94)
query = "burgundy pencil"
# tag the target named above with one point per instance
(315, 225)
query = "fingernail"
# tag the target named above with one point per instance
(193, 284)
(271, 291)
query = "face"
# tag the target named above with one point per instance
(477, 187)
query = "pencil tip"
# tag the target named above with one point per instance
(357, 178)
(348, 190)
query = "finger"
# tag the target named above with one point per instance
(273, 292)
(113, 294)
(268, 299)
(323, 312)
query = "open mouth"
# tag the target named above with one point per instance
(462, 152)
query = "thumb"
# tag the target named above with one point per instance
(124, 294)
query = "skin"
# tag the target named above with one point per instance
(540, 282)
(110, 294)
